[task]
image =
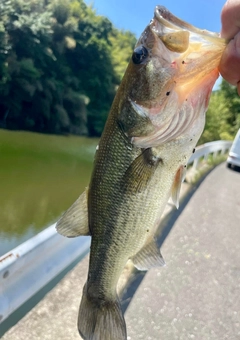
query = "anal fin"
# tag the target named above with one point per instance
(74, 221)
(148, 257)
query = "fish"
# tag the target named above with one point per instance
(155, 121)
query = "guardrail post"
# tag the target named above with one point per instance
(195, 163)
(223, 151)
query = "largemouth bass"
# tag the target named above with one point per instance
(155, 121)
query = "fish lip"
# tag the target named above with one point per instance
(172, 23)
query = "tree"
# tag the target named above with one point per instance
(223, 115)
(60, 66)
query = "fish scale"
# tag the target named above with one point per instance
(155, 121)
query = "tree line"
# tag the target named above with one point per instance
(61, 64)
(223, 114)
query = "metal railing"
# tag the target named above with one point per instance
(30, 266)
(33, 264)
(205, 150)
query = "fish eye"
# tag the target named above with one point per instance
(139, 55)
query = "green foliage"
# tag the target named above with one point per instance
(60, 65)
(223, 115)
(122, 46)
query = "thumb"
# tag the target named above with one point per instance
(230, 62)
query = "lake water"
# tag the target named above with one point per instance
(40, 177)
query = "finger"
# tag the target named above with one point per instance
(230, 18)
(230, 61)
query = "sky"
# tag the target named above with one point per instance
(135, 15)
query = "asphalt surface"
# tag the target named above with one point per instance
(196, 296)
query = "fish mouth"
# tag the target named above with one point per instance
(189, 59)
(165, 23)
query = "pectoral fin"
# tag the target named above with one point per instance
(74, 221)
(179, 178)
(140, 171)
(148, 257)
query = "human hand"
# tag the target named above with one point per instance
(230, 62)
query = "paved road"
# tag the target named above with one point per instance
(196, 296)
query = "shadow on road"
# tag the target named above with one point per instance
(164, 229)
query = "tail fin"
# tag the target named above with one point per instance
(100, 320)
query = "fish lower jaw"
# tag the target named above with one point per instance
(196, 86)
(201, 90)
(186, 103)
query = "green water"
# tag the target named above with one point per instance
(40, 177)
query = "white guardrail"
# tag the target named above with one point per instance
(30, 266)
